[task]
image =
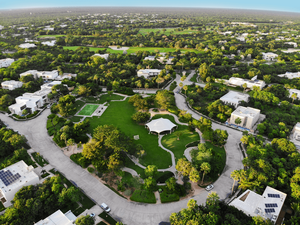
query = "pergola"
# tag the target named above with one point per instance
(160, 125)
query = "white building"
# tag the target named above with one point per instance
(290, 75)
(294, 44)
(50, 85)
(49, 43)
(234, 98)
(165, 60)
(150, 57)
(46, 75)
(268, 205)
(295, 135)
(104, 56)
(249, 116)
(30, 101)
(250, 83)
(27, 45)
(11, 84)
(13, 178)
(294, 91)
(270, 56)
(58, 218)
(148, 73)
(6, 62)
(66, 76)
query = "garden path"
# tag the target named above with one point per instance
(166, 113)
(129, 170)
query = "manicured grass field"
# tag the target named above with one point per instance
(119, 114)
(167, 32)
(134, 49)
(103, 98)
(88, 110)
(143, 196)
(178, 146)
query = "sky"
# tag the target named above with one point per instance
(274, 5)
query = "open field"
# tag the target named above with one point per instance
(119, 114)
(103, 98)
(88, 110)
(134, 49)
(167, 32)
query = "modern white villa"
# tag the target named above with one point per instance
(234, 98)
(6, 62)
(268, 205)
(294, 44)
(58, 218)
(11, 84)
(294, 91)
(249, 116)
(150, 57)
(250, 83)
(13, 178)
(49, 43)
(165, 60)
(27, 45)
(148, 73)
(30, 101)
(295, 135)
(269, 56)
(104, 56)
(290, 75)
(46, 75)
(66, 76)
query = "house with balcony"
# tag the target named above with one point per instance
(269, 56)
(11, 84)
(147, 73)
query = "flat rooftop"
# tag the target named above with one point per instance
(58, 218)
(268, 205)
(16, 175)
(246, 111)
(236, 97)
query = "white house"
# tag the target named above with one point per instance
(46, 75)
(268, 205)
(249, 116)
(6, 62)
(250, 83)
(290, 75)
(150, 57)
(104, 56)
(234, 98)
(50, 85)
(294, 44)
(27, 45)
(270, 56)
(13, 178)
(49, 43)
(66, 76)
(148, 73)
(30, 101)
(165, 60)
(11, 84)
(58, 218)
(295, 135)
(294, 91)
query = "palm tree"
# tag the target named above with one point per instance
(185, 87)
(205, 167)
(294, 96)
(244, 86)
(159, 80)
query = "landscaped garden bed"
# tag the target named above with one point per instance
(145, 196)
(39, 159)
(108, 218)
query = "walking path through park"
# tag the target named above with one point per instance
(132, 213)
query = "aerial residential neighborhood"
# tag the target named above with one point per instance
(149, 115)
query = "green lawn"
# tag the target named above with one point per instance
(167, 32)
(134, 49)
(75, 119)
(61, 35)
(194, 78)
(103, 98)
(88, 110)
(119, 114)
(143, 196)
(178, 146)
(78, 105)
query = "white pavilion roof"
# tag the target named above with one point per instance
(160, 125)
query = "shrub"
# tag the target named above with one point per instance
(168, 197)
(80, 160)
(127, 192)
(141, 117)
(173, 86)
(143, 196)
(91, 169)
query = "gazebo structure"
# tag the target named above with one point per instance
(160, 125)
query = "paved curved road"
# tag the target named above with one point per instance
(130, 213)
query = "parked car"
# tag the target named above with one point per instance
(209, 187)
(92, 215)
(105, 207)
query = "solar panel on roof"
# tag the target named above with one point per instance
(268, 205)
(269, 210)
(273, 195)
(7, 177)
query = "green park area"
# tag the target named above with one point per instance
(88, 110)
(134, 49)
(102, 99)
(167, 31)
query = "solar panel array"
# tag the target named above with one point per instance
(274, 195)
(271, 205)
(7, 177)
(269, 210)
